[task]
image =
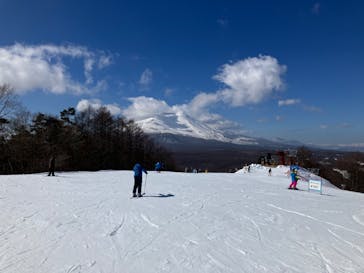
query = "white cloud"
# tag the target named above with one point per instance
(104, 61)
(250, 81)
(96, 104)
(324, 126)
(43, 67)
(200, 103)
(145, 107)
(146, 78)
(114, 109)
(88, 66)
(84, 104)
(288, 102)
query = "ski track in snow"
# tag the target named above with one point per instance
(318, 220)
(243, 222)
(259, 233)
(74, 268)
(146, 219)
(325, 261)
(358, 248)
(359, 220)
(117, 228)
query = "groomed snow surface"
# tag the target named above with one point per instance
(206, 222)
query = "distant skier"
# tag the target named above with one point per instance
(52, 165)
(249, 169)
(294, 179)
(138, 179)
(158, 167)
(270, 171)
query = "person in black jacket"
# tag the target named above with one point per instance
(52, 165)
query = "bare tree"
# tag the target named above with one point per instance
(8, 102)
(10, 110)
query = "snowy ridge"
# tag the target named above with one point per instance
(215, 222)
(181, 124)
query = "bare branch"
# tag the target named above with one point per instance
(8, 101)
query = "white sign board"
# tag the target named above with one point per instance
(315, 185)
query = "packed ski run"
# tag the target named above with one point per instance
(185, 222)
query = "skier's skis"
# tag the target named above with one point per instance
(294, 189)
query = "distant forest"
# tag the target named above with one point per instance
(90, 140)
(343, 169)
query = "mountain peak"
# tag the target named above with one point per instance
(181, 124)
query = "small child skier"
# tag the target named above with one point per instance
(294, 178)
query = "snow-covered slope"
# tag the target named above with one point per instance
(206, 222)
(181, 124)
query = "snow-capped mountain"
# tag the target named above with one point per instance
(172, 127)
(184, 125)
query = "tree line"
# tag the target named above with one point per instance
(89, 140)
(344, 170)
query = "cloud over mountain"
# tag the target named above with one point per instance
(145, 107)
(248, 81)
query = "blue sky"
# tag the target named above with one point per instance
(289, 69)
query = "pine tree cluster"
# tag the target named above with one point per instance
(90, 140)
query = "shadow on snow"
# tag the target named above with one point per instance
(160, 195)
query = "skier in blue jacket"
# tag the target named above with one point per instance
(158, 167)
(138, 178)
